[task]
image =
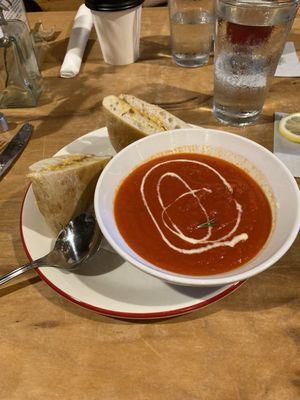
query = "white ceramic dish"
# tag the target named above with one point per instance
(262, 164)
(108, 284)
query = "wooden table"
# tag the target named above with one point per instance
(245, 347)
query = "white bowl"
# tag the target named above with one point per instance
(271, 173)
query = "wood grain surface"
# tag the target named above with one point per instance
(245, 347)
(59, 5)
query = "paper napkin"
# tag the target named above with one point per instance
(288, 152)
(288, 64)
(80, 33)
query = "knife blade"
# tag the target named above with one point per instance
(14, 148)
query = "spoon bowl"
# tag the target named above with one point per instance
(75, 244)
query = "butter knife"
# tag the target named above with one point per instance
(14, 148)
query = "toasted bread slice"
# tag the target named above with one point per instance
(129, 119)
(64, 186)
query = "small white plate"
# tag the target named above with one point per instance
(108, 284)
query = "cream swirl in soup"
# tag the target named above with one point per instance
(229, 239)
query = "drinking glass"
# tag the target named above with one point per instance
(249, 39)
(191, 23)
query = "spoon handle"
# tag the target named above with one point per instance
(16, 272)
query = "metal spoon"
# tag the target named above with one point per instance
(74, 245)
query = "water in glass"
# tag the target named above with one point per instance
(191, 37)
(248, 46)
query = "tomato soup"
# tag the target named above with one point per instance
(192, 214)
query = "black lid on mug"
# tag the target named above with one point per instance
(112, 5)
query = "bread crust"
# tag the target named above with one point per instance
(120, 133)
(123, 131)
(64, 193)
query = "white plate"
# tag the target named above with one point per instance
(108, 284)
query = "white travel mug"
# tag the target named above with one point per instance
(117, 23)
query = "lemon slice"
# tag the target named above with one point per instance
(289, 127)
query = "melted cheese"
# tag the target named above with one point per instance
(64, 163)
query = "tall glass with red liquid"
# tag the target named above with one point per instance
(250, 36)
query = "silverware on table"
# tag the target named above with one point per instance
(3, 123)
(74, 245)
(14, 148)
